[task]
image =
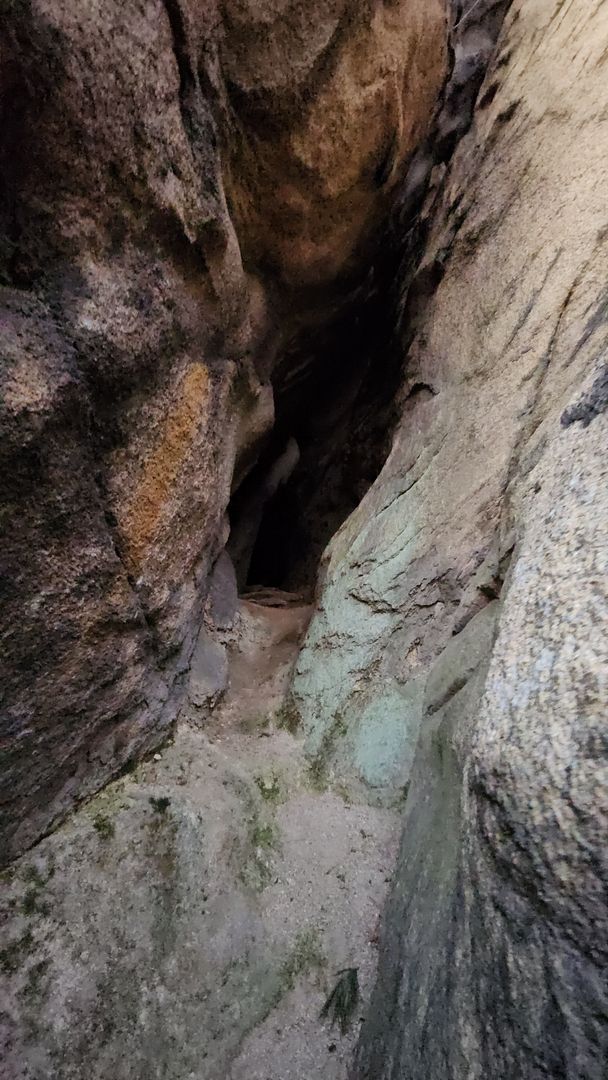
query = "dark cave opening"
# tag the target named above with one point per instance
(336, 389)
(335, 394)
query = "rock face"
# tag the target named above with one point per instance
(171, 172)
(190, 192)
(359, 709)
(467, 596)
(329, 101)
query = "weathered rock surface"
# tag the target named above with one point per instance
(186, 189)
(189, 921)
(122, 408)
(468, 594)
(330, 99)
(148, 152)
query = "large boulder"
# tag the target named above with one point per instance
(330, 99)
(136, 346)
(468, 593)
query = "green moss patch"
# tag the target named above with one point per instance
(269, 787)
(307, 955)
(104, 826)
(14, 955)
(160, 804)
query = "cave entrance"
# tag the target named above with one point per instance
(334, 399)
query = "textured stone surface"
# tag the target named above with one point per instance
(189, 920)
(477, 565)
(338, 95)
(121, 406)
(360, 709)
(178, 925)
(136, 347)
(130, 925)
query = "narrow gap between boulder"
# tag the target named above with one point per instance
(334, 401)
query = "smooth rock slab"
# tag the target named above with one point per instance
(189, 921)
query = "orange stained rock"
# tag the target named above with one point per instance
(308, 186)
(185, 418)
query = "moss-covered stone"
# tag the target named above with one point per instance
(160, 804)
(14, 954)
(269, 786)
(104, 826)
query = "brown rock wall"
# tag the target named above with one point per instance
(131, 330)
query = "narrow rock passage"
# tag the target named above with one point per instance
(322, 864)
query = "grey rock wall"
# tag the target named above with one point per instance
(491, 547)
(467, 596)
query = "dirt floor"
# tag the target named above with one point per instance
(328, 860)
